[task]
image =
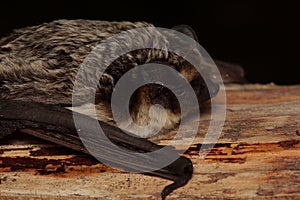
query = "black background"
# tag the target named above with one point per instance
(262, 36)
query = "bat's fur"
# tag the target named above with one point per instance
(40, 63)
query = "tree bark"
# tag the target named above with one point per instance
(257, 156)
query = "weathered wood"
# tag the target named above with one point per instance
(257, 156)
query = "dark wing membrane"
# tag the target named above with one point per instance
(55, 123)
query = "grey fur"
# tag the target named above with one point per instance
(40, 63)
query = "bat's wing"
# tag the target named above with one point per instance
(55, 123)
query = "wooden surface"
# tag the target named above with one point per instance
(256, 157)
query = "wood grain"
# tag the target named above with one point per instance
(257, 156)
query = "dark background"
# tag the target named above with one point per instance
(262, 36)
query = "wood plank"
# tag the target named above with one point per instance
(257, 156)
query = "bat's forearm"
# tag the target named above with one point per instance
(55, 123)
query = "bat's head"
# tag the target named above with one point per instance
(155, 105)
(158, 103)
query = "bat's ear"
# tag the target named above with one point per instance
(187, 30)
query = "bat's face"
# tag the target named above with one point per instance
(155, 94)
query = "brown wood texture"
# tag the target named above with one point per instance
(256, 157)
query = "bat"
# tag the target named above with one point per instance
(38, 66)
